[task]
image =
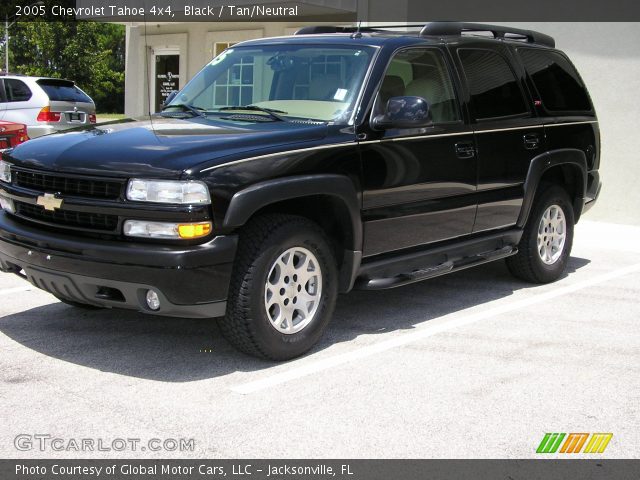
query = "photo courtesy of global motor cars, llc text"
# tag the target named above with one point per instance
(215, 217)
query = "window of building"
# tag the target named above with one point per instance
(494, 89)
(556, 80)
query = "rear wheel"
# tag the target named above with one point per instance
(283, 289)
(547, 239)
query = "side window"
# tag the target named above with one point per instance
(494, 89)
(420, 72)
(556, 80)
(16, 90)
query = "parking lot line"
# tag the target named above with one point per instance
(8, 291)
(423, 330)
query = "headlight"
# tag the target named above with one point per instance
(5, 171)
(166, 230)
(167, 191)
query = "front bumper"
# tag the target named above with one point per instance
(191, 281)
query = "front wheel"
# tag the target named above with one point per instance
(543, 251)
(283, 289)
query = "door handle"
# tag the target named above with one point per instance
(465, 150)
(531, 141)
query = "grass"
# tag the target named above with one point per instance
(107, 117)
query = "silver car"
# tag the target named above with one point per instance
(44, 105)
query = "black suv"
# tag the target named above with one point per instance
(292, 169)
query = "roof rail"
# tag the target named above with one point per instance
(319, 29)
(440, 29)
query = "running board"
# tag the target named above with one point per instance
(401, 270)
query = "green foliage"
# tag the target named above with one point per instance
(90, 53)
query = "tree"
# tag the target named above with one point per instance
(90, 53)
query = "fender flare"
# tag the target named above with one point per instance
(246, 202)
(540, 164)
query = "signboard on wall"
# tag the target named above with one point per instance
(167, 77)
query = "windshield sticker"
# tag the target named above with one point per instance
(221, 57)
(341, 94)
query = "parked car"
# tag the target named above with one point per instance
(44, 105)
(12, 134)
(293, 169)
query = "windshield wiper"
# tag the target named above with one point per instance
(272, 112)
(197, 111)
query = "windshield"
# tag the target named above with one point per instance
(310, 82)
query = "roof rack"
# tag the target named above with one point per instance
(319, 29)
(440, 29)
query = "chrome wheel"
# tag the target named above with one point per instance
(552, 234)
(293, 289)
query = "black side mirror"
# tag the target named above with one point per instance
(404, 112)
(171, 96)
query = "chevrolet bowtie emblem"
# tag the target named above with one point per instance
(49, 201)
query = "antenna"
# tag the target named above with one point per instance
(146, 63)
(357, 33)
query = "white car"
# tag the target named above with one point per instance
(44, 105)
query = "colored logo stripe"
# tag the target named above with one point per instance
(550, 443)
(598, 442)
(574, 443)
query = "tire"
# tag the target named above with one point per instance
(84, 306)
(261, 318)
(528, 264)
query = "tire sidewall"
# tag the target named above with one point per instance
(552, 195)
(275, 344)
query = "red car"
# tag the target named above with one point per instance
(12, 134)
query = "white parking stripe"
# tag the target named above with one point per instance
(16, 290)
(424, 330)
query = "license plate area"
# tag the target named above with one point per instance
(75, 117)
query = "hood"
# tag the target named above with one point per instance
(157, 147)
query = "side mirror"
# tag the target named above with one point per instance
(171, 96)
(404, 112)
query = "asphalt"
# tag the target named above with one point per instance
(474, 364)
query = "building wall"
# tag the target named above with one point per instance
(606, 54)
(196, 44)
(608, 58)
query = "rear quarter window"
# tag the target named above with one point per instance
(16, 90)
(63, 91)
(556, 81)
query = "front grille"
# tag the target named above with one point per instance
(81, 187)
(67, 218)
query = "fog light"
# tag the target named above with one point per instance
(7, 204)
(153, 301)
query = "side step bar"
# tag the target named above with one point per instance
(395, 271)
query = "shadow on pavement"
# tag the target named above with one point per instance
(177, 350)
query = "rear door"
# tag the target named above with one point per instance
(419, 184)
(19, 105)
(507, 133)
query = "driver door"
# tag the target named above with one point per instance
(419, 184)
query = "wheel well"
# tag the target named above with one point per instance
(569, 177)
(328, 211)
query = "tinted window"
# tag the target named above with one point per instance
(16, 90)
(421, 73)
(493, 86)
(557, 82)
(63, 91)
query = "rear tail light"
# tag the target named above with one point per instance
(92, 117)
(46, 115)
